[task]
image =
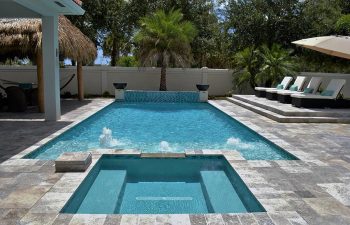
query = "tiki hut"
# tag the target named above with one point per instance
(22, 38)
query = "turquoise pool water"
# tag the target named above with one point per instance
(162, 127)
(133, 185)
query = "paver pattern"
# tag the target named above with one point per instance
(312, 190)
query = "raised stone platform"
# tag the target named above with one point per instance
(73, 162)
(286, 113)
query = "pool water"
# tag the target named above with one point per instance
(162, 127)
(134, 185)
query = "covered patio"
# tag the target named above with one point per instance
(48, 11)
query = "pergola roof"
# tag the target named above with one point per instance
(22, 37)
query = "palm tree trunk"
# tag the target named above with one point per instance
(80, 81)
(115, 52)
(163, 78)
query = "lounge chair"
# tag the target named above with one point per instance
(285, 95)
(298, 85)
(328, 97)
(261, 91)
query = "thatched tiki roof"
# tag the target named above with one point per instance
(22, 37)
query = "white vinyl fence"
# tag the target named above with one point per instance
(98, 79)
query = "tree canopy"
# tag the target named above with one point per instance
(164, 39)
(225, 27)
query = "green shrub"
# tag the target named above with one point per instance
(343, 25)
(106, 94)
(127, 61)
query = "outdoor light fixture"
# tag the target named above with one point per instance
(59, 4)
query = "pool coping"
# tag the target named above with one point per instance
(49, 205)
(271, 138)
(51, 137)
(52, 202)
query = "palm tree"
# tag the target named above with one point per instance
(247, 66)
(277, 63)
(164, 39)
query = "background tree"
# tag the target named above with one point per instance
(320, 17)
(258, 22)
(163, 39)
(128, 61)
(343, 25)
(246, 67)
(222, 31)
(276, 63)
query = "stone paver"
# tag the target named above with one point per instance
(312, 190)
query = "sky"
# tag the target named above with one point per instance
(100, 59)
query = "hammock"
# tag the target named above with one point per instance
(18, 83)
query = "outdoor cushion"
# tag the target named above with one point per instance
(299, 83)
(327, 93)
(285, 82)
(308, 90)
(293, 88)
(279, 87)
(314, 84)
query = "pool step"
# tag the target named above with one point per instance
(104, 192)
(274, 115)
(220, 192)
(163, 198)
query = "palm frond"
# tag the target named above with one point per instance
(167, 36)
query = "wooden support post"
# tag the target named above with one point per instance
(80, 81)
(39, 74)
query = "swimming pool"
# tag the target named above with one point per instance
(162, 127)
(198, 184)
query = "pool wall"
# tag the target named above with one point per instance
(111, 162)
(289, 155)
(161, 96)
(35, 153)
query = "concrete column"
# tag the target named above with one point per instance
(51, 67)
(40, 81)
(203, 95)
(119, 94)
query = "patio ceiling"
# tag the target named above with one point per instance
(39, 8)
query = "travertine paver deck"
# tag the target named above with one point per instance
(313, 190)
(18, 131)
(288, 109)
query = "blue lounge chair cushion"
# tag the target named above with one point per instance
(280, 86)
(293, 88)
(308, 90)
(327, 93)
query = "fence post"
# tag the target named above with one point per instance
(103, 81)
(204, 75)
(203, 95)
